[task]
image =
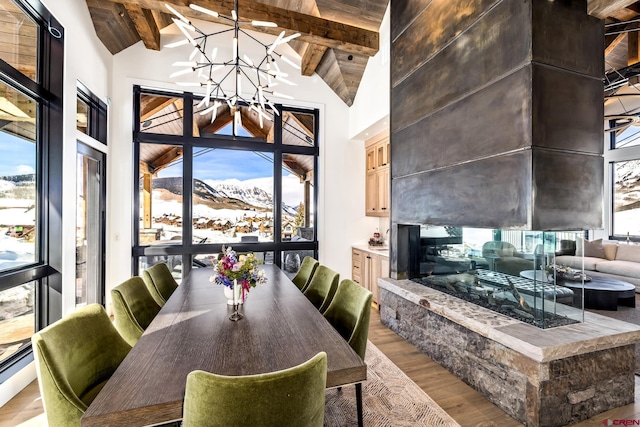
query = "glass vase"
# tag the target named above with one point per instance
(237, 298)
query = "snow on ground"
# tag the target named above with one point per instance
(627, 222)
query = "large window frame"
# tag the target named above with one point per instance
(613, 155)
(47, 91)
(187, 249)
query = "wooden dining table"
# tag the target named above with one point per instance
(280, 329)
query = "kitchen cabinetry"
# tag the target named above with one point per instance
(367, 268)
(378, 160)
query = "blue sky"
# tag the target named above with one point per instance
(221, 164)
(17, 156)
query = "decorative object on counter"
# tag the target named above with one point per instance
(239, 274)
(376, 240)
(562, 272)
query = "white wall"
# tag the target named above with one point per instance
(369, 114)
(87, 60)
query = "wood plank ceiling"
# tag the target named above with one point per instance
(338, 37)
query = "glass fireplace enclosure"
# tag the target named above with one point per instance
(511, 272)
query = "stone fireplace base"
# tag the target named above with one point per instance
(541, 377)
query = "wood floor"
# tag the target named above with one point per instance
(464, 404)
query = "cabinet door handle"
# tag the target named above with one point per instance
(355, 266)
(384, 209)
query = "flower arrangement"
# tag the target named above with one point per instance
(231, 267)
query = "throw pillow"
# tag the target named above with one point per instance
(610, 250)
(628, 253)
(592, 249)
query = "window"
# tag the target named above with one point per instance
(91, 114)
(626, 198)
(623, 158)
(30, 176)
(627, 135)
(200, 187)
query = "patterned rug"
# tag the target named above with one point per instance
(389, 397)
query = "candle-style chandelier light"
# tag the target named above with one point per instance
(212, 72)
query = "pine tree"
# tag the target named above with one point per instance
(299, 219)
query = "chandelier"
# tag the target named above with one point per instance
(256, 77)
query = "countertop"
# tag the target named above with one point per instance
(376, 250)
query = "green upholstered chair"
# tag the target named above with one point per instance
(160, 282)
(349, 313)
(307, 268)
(75, 357)
(291, 397)
(322, 286)
(134, 308)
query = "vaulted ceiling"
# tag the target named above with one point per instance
(338, 36)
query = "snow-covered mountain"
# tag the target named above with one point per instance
(225, 195)
(252, 195)
(627, 185)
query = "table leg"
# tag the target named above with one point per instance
(359, 403)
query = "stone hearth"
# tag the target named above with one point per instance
(541, 377)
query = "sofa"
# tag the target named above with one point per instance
(504, 258)
(602, 258)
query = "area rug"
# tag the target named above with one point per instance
(389, 397)
(626, 314)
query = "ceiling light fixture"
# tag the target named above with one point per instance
(259, 77)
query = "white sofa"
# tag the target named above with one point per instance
(606, 258)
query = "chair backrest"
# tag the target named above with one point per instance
(291, 397)
(160, 282)
(322, 287)
(134, 308)
(307, 268)
(75, 356)
(349, 313)
(499, 248)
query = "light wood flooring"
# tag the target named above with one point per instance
(463, 403)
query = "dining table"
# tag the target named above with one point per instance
(192, 331)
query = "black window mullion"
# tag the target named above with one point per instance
(189, 144)
(187, 207)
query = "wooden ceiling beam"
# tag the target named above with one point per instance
(604, 8)
(165, 159)
(313, 29)
(145, 25)
(311, 58)
(613, 43)
(149, 105)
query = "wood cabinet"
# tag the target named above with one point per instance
(367, 268)
(378, 160)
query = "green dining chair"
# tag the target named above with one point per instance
(322, 286)
(134, 308)
(349, 313)
(303, 276)
(160, 282)
(290, 397)
(75, 357)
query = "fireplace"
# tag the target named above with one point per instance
(511, 272)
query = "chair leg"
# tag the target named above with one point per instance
(359, 403)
